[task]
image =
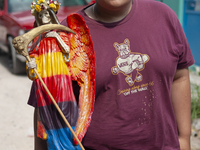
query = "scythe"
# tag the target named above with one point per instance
(21, 43)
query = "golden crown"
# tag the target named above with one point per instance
(43, 5)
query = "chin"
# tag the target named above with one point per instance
(113, 3)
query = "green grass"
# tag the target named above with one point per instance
(195, 102)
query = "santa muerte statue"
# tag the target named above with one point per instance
(57, 56)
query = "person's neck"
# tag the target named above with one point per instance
(109, 16)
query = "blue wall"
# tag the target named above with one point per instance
(191, 26)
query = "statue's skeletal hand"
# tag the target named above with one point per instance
(65, 48)
(52, 34)
(31, 64)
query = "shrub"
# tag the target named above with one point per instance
(195, 101)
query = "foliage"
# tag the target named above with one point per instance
(195, 101)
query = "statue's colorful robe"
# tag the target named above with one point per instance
(56, 75)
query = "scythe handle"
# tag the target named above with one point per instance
(56, 105)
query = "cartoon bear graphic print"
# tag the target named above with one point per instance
(129, 63)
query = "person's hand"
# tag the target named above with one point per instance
(31, 64)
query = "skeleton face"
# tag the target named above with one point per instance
(45, 17)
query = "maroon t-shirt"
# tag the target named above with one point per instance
(136, 62)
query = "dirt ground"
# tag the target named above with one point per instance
(16, 125)
(16, 116)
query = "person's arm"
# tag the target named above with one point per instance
(181, 100)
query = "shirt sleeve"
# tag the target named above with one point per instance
(32, 101)
(185, 54)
